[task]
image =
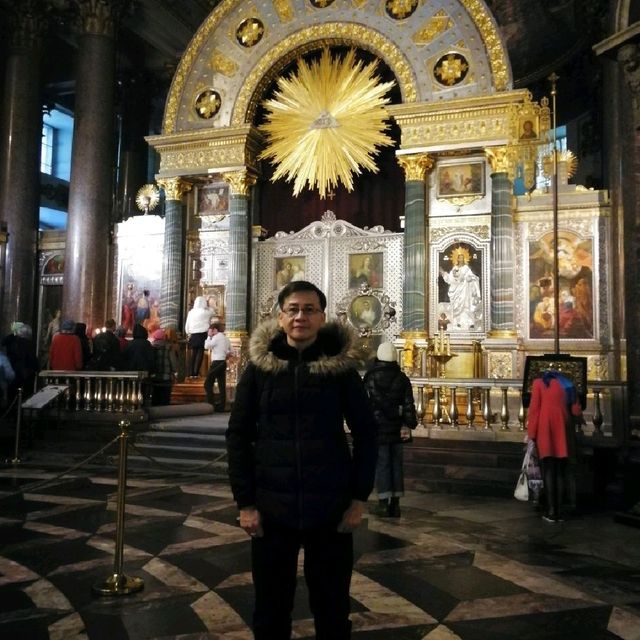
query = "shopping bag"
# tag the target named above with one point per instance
(522, 488)
(534, 474)
(521, 491)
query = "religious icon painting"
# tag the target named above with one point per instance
(365, 312)
(463, 179)
(213, 199)
(575, 287)
(366, 269)
(289, 269)
(528, 128)
(460, 303)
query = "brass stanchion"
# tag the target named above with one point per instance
(119, 584)
(16, 450)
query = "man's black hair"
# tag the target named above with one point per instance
(301, 285)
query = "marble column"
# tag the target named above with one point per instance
(236, 316)
(502, 246)
(90, 194)
(172, 276)
(21, 127)
(415, 294)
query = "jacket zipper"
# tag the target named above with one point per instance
(296, 387)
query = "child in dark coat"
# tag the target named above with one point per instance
(391, 399)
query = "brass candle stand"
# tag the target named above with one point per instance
(441, 354)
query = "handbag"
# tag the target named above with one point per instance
(521, 491)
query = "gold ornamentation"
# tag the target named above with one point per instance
(249, 32)
(222, 64)
(240, 182)
(174, 188)
(326, 123)
(321, 4)
(451, 69)
(99, 17)
(329, 33)
(400, 9)
(218, 149)
(468, 120)
(147, 198)
(416, 167)
(27, 24)
(499, 159)
(492, 42)
(207, 104)
(284, 10)
(434, 27)
(568, 157)
(500, 363)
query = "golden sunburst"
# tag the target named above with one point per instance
(563, 156)
(147, 197)
(325, 122)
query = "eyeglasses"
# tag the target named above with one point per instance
(292, 312)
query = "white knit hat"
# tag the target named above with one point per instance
(387, 352)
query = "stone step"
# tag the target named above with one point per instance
(182, 452)
(172, 438)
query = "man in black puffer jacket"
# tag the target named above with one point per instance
(292, 473)
(391, 397)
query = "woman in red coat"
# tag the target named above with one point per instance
(554, 405)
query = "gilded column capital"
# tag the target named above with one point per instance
(27, 24)
(99, 17)
(174, 188)
(629, 59)
(240, 182)
(416, 166)
(499, 158)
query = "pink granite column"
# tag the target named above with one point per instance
(92, 161)
(21, 126)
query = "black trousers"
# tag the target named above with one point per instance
(328, 562)
(217, 373)
(554, 471)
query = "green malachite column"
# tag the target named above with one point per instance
(237, 298)
(502, 247)
(414, 297)
(21, 126)
(170, 290)
(87, 269)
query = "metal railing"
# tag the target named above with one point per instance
(494, 406)
(101, 391)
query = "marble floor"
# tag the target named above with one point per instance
(452, 567)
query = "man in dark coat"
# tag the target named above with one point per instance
(292, 473)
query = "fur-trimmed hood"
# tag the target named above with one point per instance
(333, 352)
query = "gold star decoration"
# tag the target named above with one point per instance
(451, 69)
(325, 122)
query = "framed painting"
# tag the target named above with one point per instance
(463, 179)
(213, 199)
(575, 287)
(528, 128)
(214, 295)
(365, 312)
(460, 305)
(366, 269)
(288, 270)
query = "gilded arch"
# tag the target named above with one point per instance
(471, 28)
(314, 38)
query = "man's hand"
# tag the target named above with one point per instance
(352, 517)
(251, 522)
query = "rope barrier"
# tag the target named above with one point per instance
(43, 483)
(8, 409)
(174, 469)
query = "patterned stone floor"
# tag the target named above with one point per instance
(453, 567)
